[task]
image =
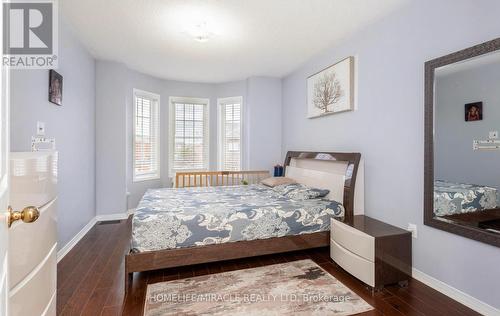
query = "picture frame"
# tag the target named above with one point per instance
(331, 90)
(474, 111)
(55, 87)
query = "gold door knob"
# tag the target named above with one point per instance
(28, 215)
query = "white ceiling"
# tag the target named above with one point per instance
(250, 37)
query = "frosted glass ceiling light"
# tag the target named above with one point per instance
(201, 33)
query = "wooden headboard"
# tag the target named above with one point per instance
(327, 170)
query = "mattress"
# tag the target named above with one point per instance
(456, 198)
(177, 218)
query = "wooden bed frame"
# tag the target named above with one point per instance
(218, 178)
(169, 258)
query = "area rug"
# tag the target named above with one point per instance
(292, 288)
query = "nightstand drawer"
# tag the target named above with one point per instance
(356, 265)
(353, 240)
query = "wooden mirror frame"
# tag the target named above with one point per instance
(429, 219)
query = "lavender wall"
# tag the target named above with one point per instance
(73, 126)
(387, 127)
(111, 189)
(264, 121)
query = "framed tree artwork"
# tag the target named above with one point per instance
(331, 90)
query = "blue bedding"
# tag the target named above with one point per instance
(175, 218)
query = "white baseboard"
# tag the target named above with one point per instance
(99, 218)
(457, 295)
(116, 216)
(64, 250)
(111, 217)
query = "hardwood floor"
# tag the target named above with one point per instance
(91, 279)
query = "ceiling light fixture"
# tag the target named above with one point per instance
(201, 33)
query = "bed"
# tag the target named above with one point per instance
(178, 227)
(189, 217)
(458, 198)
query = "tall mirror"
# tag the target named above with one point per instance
(462, 172)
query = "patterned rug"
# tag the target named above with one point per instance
(292, 288)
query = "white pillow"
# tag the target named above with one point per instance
(274, 181)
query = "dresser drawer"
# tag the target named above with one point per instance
(355, 265)
(352, 239)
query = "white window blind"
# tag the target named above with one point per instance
(230, 141)
(189, 135)
(146, 156)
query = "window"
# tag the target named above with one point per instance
(230, 127)
(146, 156)
(188, 133)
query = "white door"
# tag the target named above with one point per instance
(32, 263)
(28, 264)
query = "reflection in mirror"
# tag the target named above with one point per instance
(466, 143)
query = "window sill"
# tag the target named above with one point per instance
(143, 179)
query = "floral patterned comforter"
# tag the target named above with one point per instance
(175, 218)
(455, 198)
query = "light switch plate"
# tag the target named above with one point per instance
(494, 135)
(40, 128)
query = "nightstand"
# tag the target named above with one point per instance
(373, 251)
